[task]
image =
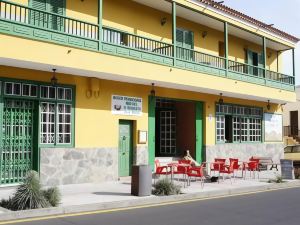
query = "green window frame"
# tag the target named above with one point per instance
(54, 22)
(61, 123)
(257, 69)
(185, 44)
(246, 123)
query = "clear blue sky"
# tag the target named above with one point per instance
(284, 14)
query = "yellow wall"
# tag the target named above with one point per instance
(71, 59)
(95, 126)
(126, 15)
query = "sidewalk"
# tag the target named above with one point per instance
(90, 197)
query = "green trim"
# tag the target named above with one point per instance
(39, 100)
(261, 117)
(100, 28)
(174, 35)
(130, 157)
(58, 37)
(199, 132)
(151, 130)
(264, 55)
(226, 46)
(294, 65)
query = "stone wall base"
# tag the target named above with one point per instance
(60, 166)
(244, 151)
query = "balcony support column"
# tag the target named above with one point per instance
(100, 14)
(174, 26)
(294, 66)
(264, 56)
(226, 46)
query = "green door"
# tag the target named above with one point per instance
(17, 150)
(125, 148)
(50, 21)
(185, 44)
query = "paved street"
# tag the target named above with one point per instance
(275, 207)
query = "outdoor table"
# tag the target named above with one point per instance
(245, 164)
(174, 165)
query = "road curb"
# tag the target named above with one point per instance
(142, 202)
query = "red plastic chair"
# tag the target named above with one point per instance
(196, 172)
(217, 166)
(229, 170)
(236, 165)
(161, 170)
(252, 166)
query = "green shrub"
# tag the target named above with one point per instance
(52, 195)
(279, 179)
(29, 194)
(166, 187)
(5, 203)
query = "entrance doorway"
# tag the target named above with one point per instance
(174, 127)
(294, 123)
(125, 147)
(19, 137)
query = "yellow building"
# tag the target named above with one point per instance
(89, 88)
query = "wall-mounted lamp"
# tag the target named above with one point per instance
(54, 79)
(221, 100)
(152, 92)
(204, 34)
(163, 21)
(268, 105)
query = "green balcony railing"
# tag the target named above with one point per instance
(256, 71)
(283, 78)
(47, 21)
(200, 57)
(245, 68)
(117, 37)
(25, 21)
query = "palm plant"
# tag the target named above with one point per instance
(29, 194)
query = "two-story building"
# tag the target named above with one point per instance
(90, 87)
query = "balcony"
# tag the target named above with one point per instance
(20, 20)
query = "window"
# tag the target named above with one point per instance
(54, 106)
(49, 21)
(29, 90)
(64, 123)
(255, 60)
(48, 92)
(47, 123)
(56, 123)
(12, 88)
(64, 93)
(185, 44)
(238, 124)
(220, 124)
(168, 132)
